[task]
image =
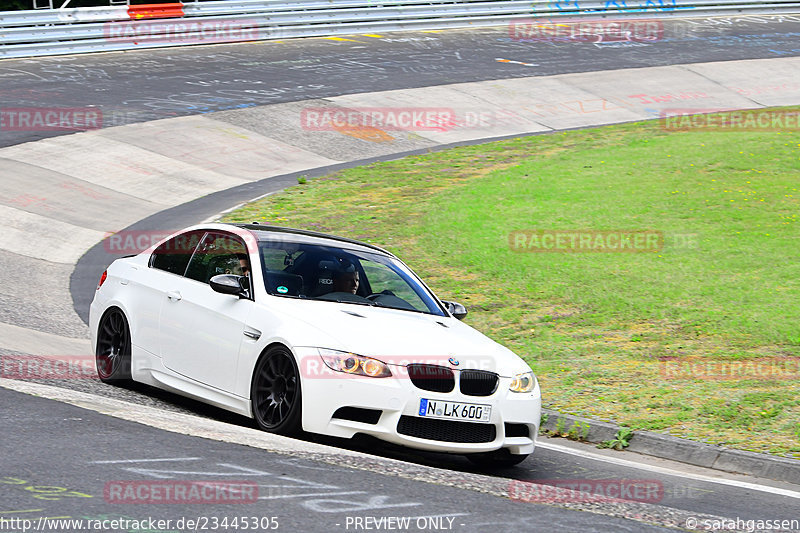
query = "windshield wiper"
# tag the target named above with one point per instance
(337, 300)
(371, 304)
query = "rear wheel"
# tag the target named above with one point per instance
(113, 353)
(275, 392)
(501, 458)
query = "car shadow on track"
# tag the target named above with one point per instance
(141, 394)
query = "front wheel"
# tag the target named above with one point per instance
(275, 392)
(501, 458)
(113, 353)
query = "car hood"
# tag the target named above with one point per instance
(401, 337)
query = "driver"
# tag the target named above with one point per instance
(344, 281)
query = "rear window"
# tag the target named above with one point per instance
(219, 253)
(173, 254)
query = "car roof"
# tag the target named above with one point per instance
(261, 229)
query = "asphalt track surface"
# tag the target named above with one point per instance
(83, 451)
(142, 86)
(85, 456)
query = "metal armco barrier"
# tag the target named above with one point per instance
(103, 29)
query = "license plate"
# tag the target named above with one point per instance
(454, 410)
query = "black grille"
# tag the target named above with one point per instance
(445, 430)
(358, 414)
(478, 382)
(432, 377)
(517, 430)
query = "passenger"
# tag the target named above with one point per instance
(244, 264)
(238, 266)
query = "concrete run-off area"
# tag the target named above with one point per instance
(62, 196)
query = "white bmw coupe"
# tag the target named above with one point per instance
(306, 331)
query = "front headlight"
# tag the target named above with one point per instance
(350, 363)
(523, 382)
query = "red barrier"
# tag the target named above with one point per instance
(155, 11)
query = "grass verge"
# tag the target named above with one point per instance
(698, 337)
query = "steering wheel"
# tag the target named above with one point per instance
(377, 295)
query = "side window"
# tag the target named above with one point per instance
(219, 253)
(277, 259)
(173, 255)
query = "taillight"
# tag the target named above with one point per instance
(102, 279)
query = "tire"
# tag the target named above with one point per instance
(501, 458)
(113, 353)
(275, 392)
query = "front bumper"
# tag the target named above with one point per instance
(391, 407)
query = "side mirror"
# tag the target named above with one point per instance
(230, 284)
(455, 309)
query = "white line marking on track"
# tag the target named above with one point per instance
(668, 471)
(438, 515)
(167, 459)
(501, 60)
(307, 495)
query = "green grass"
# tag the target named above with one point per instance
(602, 329)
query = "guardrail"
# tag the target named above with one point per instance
(103, 29)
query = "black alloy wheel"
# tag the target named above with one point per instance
(275, 392)
(113, 354)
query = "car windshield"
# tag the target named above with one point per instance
(331, 273)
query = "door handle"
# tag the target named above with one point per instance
(174, 295)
